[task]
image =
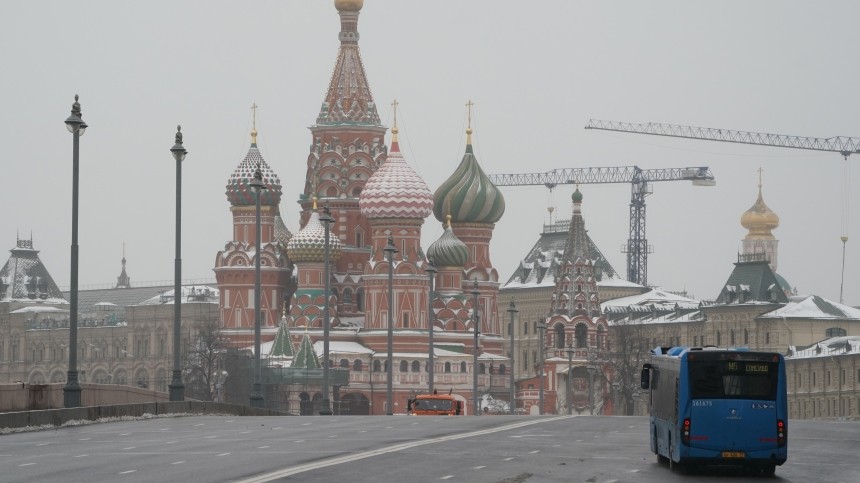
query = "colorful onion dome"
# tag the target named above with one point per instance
(239, 191)
(308, 245)
(348, 5)
(468, 195)
(448, 250)
(395, 190)
(576, 196)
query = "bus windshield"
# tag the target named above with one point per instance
(728, 379)
(433, 405)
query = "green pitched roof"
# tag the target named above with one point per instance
(283, 346)
(306, 357)
(752, 281)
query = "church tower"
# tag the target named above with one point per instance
(474, 204)
(347, 148)
(760, 220)
(234, 265)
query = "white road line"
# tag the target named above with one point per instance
(223, 454)
(127, 472)
(210, 437)
(80, 456)
(124, 434)
(132, 447)
(262, 447)
(246, 432)
(446, 477)
(530, 452)
(298, 440)
(42, 444)
(177, 462)
(307, 424)
(27, 464)
(389, 449)
(167, 429)
(508, 458)
(199, 424)
(87, 439)
(279, 427)
(170, 442)
(479, 467)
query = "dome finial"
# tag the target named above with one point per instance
(469, 125)
(394, 130)
(254, 124)
(315, 202)
(759, 179)
(448, 220)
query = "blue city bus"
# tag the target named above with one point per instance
(712, 406)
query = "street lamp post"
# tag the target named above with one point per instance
(72, 390)
(431, 319)
(592, 370)
(541, 328)
(326, 220)
(389, 255)
(512, 310)
(476, 320)
(177, 388)
(570, 351)
(257, 187)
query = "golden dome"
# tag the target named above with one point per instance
(348, 5)
(759, 219)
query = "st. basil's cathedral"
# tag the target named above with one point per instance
(375, 200)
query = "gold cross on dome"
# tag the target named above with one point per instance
(254, 123)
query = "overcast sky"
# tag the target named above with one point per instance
(536, 71)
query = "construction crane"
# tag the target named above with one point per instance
(640, 180)
(844, 145)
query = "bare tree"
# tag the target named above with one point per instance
(630, 350)
(204, 360)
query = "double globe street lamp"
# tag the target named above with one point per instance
(257, 186)
(390, 250)
(326, 219)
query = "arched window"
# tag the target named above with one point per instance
(835, 332)
(447, 367)
(463, 367)
(377, 366)
(359, 238)
(347, 296)
(581, 336)
(601, 337)
(356, 365)
(416, 366)
(404, 366)
(559, 336)
(344, 363)
(359, 300)
(331, 192)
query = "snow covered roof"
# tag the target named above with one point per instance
(827, 348)
(813, 307)
(653, 296)
(189, 294)
(37, 309)
(342, 347)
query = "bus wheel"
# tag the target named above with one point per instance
(768, 470)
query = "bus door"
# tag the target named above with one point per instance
(733, 406)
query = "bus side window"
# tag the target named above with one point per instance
(645, 378)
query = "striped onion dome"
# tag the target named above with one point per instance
(308, 245)
(448, 250)
(239, 192)
(395, 190)
(468, 195)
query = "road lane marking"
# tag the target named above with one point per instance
(209, 437)
(274, 475)
(446, 477)
(127, 472)
(223, 454)
(508, 458)
(124, 434)
(27, 464)
(534, 451)
(170, 442)
(80, 456)
(85, 439)
(199, 424)
(479, 467)
(262, 447)
(130, 447)
(177, 462)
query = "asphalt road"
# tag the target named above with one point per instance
(508, 449)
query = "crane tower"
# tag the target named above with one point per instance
(637, 248)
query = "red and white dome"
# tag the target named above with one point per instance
(395, 190)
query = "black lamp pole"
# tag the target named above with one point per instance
(176, 387)
(512, 310)
(389, 255)
(326, 220)
(431, 320)
(72, 390)
(476, 320)
(569, 351)
(257, 187)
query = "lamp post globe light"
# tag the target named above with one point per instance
(257, 187)
(389, 255)
(431, 320)
(326, 219)
(72, 389)
(176, 387)
(570, 351)
(476, 321)
(512, 310)
(541, 328)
